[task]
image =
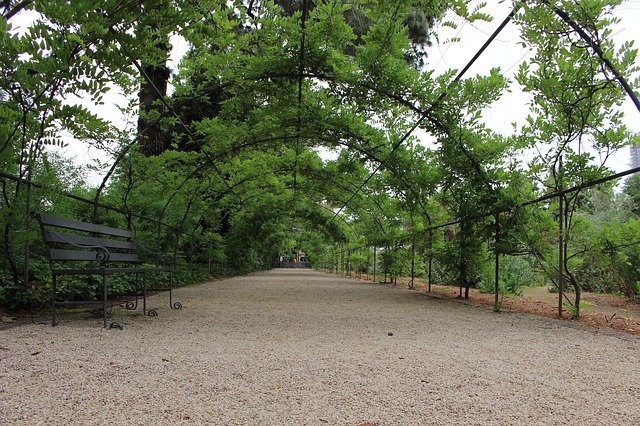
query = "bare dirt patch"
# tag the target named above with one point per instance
(608, 311)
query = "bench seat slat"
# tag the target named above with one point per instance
(89, 255)
(109, 271)
(60, 222)
(56, 237)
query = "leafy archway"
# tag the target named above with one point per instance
(317, 112)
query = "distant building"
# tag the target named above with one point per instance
(634, 156)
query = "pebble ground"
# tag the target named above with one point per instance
(296, 347)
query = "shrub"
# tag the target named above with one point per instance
(515, 272)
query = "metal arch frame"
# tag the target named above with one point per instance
(356, 207)
(251, 196)
(424, 114)
(301, 75)
(231, 187)
(427, 113)
(443, 94)
(563, 15)
(254, 177)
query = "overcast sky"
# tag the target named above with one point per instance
(504, 52)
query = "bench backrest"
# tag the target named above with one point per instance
(69, 240)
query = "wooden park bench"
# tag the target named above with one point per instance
(85, 249)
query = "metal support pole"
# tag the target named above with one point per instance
(462, 265)
(344, 263)
(560, 253)
(560, 240)
(144, 295)
(496, 306)
(374, 263)
(158, 239)
(413, 258)
(209, 257)
(368, 262)
(394, 261)
(171, 290)
(27, 223)
(430, 258)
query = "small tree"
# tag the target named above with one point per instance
(575, 115)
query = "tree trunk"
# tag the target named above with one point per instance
(154, 32)
(574, 283)
(7, 237)
(152, 139)
(413, 260)
(463, 262)
(7, 248)
(430, 256)
(576, 288)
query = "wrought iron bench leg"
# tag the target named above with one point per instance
(176, 305)
(53, 302)
(144, 294)
(104, 299)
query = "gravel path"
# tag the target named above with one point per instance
(302, 347)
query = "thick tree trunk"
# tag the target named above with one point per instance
(153, 30)
(153, 140)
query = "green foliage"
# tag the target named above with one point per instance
(515, 272)
(632, 191)
(585, 305)
(612, 264)
(390, 264)
(358, 261)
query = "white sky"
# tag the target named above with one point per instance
(504, 52)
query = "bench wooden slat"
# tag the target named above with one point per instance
(56, 237)
(90, 255)
(109, 271)
(60, 222)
